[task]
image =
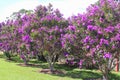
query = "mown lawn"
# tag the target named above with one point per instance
(10, 70)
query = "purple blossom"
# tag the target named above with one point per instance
(67, 61)
(50, 37)
(78, 31)
(109, 29)
(72, 28)
(92, 51)
(95, 28)
(103, 41)
(27, 46)
(33, 53)
(98, 47)
(61, 30)
(22, 56)
(86, 39)
(20, 30)
(107, 55)
(92, 41)
(93, 61)
(63, 44)
(32, 30)
(99, 30)
(1, 44)
(113, 47)
(71, 62)
(81, 63)
(101, 19)
(87, 46)
(56, 28)
(117, 37)
(118, 26)
(42, 29)
(67, 36)
(26, 38)
(78, 22)
(66, 54)
(102, 2)
(84, 18)
(90, 27)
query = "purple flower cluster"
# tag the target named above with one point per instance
(92, 28)
(104, 41)
(81, 63)
(72, 28)
(26, 39)
(107, 55)
(109, 29)
(87, 39)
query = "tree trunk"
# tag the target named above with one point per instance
(106, 74)
(51, 67)
(25, 61)
(105, 71)
(105, 77)
(117, 65)
(51, 63)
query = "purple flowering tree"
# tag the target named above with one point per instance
(7, 38)
(103, 35)
(72, 45)
(24, 41)
(40, 33)
(100, 34)
(97, 34)
(48, 34)
(15, 37)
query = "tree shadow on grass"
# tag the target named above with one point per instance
(32, 63)
(64, 67)
(16, 59)
(85, 75)
(40, 65)
(68, 70)
(76, 74)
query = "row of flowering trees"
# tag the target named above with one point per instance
(93, 36)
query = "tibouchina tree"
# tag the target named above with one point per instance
(40, 32)
(100, 34)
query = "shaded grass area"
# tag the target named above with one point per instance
(115, 76)
(10, 70)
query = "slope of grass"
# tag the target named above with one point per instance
(10, 70)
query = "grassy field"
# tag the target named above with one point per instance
(10, 70)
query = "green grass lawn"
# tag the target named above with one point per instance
(10, 70)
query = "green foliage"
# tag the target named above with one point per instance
(7, 55)
(45, 53)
